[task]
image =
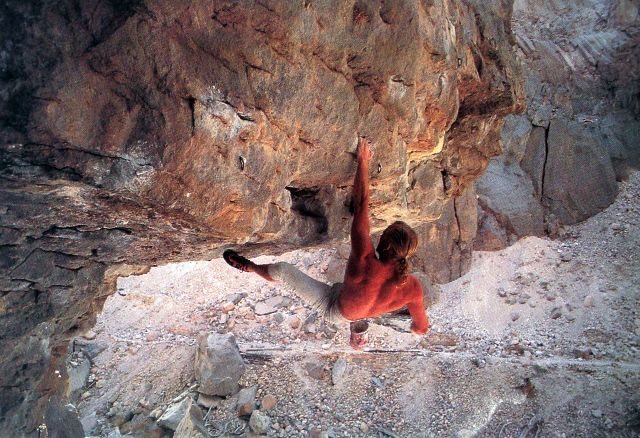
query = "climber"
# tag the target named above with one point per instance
(373, 285)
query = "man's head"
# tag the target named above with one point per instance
(397, 242)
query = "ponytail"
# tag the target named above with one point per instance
(402, 268)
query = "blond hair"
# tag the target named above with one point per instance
(397, 243)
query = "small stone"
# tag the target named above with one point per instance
(377, 382)
(246, 401)
(597, 413)
(85, 395)
(502, 293)
(515, 316)
(228, 307)
(556, 312)
(364, 428)
(144, 403)
(276, 301)
(235, 298)
(268, 402)
(314, 370)
(566, 257)
(278, 317)
(90, 335)
(153, 336)
(208, 401)
(263, 308)
(338, 371)
(588, 301)
(259, 422)
(295, 322)
(155, 414)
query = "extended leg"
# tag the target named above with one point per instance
(245, 265)
(315, 293)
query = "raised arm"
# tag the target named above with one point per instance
(361, 244)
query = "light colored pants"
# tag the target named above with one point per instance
(321, 296)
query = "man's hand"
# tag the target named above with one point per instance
(419, 330)
(364, 153)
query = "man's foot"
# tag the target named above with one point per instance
(235, 260)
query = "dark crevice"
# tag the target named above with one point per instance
(305, 202)
(546, 157)
(191, 101)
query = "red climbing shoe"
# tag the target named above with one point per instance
(235, 260)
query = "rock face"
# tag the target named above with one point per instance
(143, 132)
(581, 130)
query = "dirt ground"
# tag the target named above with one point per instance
(538, 340)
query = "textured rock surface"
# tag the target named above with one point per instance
(142, 132)
(218, 365)
(581, 130)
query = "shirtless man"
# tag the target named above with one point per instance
(373, 284)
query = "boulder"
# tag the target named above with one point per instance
(192, 423)
(174, 414)
(218, 364)
(506, 194)
(579, 179)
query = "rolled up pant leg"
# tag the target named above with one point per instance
(315, 293)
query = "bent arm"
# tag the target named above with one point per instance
(360, 230)
(420, 322)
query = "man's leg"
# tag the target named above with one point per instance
(315, 293)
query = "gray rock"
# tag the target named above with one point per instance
(171, 418)
(338, 371)
(192, 424)
(246, 400)
(259, 422)
(78, 376)
(218, 365)
(262, 308)
(430, 292)
(588, 301)
(209, 401)
(556, 312)
(514, 136)
(579, 179)
(506, 192)
(235, 298)
(314, 369)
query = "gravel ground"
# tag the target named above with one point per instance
(540, 339)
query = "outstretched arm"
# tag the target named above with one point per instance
(360, 231)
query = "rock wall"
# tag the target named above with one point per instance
(135, 133)
(581, 130)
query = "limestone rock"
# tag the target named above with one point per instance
(174, 414)
(192, 424)
(122, 150)
(218, 365)
(338, 371)
(246, 401)
(574, 151)
(259, 422)
(506, 194)
(268, 402)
